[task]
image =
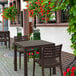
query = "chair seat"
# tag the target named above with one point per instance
(21, 50)
(47, 62)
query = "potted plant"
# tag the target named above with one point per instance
(70, 71)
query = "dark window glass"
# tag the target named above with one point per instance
(65, 15)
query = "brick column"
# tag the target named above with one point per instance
(58, 16)
(25, 22)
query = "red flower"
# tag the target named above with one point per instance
(49, 2)
(26, 1)
(32, 48)
(72, 74)
(32, 54)
(29, 54)
(49, 7)
(36, 2)
(43, 6)
(73, 68)
(11, 6)
(9, 14)
(41, 1)
(47, 13)
(42, 14)
(53, 5)
(40, 7)
(27, 5)
(68, 69)
(42, 18)
(37, 52)
(64, 73)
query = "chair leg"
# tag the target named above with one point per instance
(42, 71)
(50, 71)
(54, 70)
(19, 60)
(6, 44)
(61, 70)
(33, 68)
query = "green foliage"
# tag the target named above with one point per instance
(72, 24)
(10, 12)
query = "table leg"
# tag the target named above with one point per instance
(25, 63)
(15, 57)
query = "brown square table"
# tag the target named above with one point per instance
(27, 45)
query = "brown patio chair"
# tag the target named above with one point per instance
(5, 37)
(50, 57)
(20, 50)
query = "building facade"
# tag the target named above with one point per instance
(53, 31)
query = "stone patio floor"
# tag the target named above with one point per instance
(7, 66)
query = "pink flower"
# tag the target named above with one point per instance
(73, 68)
(72, 74)
(68, 69)
(32, 54)
(37, 52)
(29, 54)
(64, 73)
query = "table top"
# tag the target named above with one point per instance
(32, 43)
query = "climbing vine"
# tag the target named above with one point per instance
(72, 24)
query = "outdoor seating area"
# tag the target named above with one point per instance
(37, 37)
(6, 64)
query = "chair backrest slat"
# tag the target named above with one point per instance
(58, 49)
(51, 51)
(4, 35)
(48, 51)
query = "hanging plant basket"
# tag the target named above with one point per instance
(44, 9)
(10, 13)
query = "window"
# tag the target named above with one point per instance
(52, 19)
(18, 20)
(65, 15)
